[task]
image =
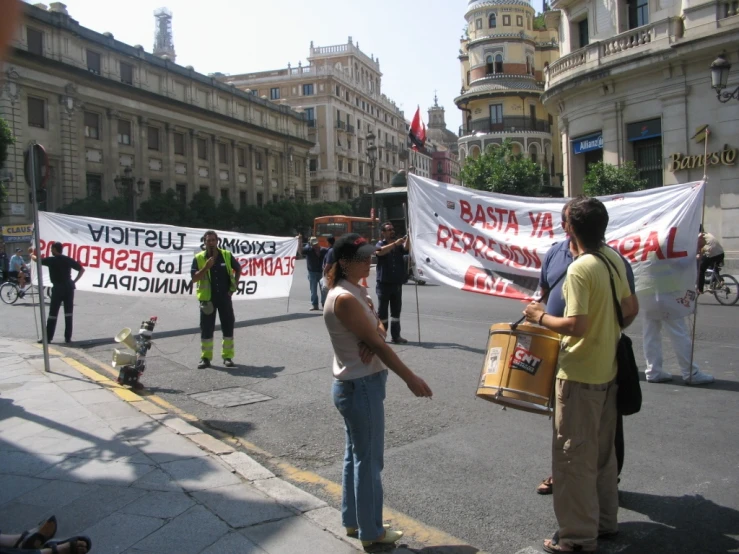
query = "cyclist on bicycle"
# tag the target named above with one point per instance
(711, 254)
(17, 271)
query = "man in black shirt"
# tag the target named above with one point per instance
(216, 274)
(392, 273)
(62, 291)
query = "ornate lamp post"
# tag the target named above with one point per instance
(372, 158)
(720, 77)
(128, 186)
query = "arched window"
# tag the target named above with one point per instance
(499, 63)
(489, 65)
(533, 153)
(528, 66)
(492, 21)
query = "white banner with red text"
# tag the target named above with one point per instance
(495, 244)
(142, 259)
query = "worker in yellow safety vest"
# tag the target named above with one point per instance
(216, 274)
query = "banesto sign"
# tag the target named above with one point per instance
(679, 162)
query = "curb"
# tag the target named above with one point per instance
(284, 493)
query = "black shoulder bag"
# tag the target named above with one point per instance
(628, 397)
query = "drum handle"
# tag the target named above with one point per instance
(514, 325)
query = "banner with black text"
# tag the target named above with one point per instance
(143, 259)
(495, 244)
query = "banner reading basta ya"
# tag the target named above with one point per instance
(495, 244)
(141, 259)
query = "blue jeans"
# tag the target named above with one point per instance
(314, 278)
(361, 403)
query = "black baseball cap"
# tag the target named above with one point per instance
(353, 246)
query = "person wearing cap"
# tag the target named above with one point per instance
(392, 274)
(314, 256)
(17, 270)
(62, 290)
(361, 357)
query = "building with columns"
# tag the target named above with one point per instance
(633, 83)
(503, 56)
(340, 92)
(99, 106)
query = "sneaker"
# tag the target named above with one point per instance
(400, 340)
(661, 378)
(699, 378)
(228, 362)
(314, 309)
(391, 536)
(204, 363)
(353, 531)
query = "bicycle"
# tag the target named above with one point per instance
(10, 291)
(724, 287)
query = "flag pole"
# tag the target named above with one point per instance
(408, 231)
(703, 217)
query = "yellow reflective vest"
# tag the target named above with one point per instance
(203, 286)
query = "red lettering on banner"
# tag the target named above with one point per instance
(485, 248)
(483, 281)
(541, 224)
(442, 236)
(671, 245)
(488, 218)
(456, 233)
(652, 245)
(632, 246)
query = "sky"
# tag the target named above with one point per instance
(417, 42)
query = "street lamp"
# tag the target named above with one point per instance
(125, 186)
(372, 157)
(720, 77)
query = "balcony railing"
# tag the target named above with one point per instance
(591, 57)
(312, 123)
(341, 125)
(728, 8)
(350, 128)
(511, 124)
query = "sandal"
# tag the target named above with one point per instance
(546, 486)
(552, 546)
(72, 541)
(33, 539)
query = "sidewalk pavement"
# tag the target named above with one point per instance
(135, 478)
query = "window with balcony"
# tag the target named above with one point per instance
(582, 32)
(155, 188)
(499, 63)
(92, 125)
(260, 199)
(36, 112)
(274, 93)
(638, 13)
(341, 164)
(532, 116)
(350, 168)
(179, 144)
(152, 135)
(492, 21)
(489, 65)
(242, 198)
(93, 62)
(202, 146)
(35, 39)
(241, 157)
(126, 73)
(94, 185)
(258, 160)
(181, 189)
(222, 153)
(496, 117)
(310, 115)
(124, 132)
(313, 164)
(308, 90)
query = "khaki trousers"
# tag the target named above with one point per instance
(584, 462)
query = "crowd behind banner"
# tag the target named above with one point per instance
(495, 244)
(140, 259)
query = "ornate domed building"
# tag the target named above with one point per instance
(503, 55)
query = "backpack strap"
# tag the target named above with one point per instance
(616, 303)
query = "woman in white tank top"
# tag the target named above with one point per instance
(360, 357)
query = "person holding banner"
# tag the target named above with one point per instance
(62, 290)
(216, 274)
(583, 454)
(360, 377)
(392, 273)
(314, 256)
(553, 271)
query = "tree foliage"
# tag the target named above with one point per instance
(284, 218)
(500, 170)
(605, 179)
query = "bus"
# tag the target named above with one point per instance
(337, 225)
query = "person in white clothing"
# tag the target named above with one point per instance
(360, 358)
(671, 311)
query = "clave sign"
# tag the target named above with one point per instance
(727, 156)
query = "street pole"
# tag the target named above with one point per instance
(372, 189)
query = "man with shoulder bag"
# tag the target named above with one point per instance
(584, 464)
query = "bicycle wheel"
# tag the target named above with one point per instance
(9, 293)
(727, 294)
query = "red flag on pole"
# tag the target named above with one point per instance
(417, 132)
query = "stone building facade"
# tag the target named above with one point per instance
(634, 84)
(503, 56)
(100, 106)
(340, 93)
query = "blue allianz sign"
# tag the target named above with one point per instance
(588, 143)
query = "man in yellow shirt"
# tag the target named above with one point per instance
(583, 453)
